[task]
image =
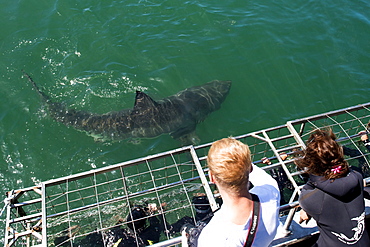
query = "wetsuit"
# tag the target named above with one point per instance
(338, 208)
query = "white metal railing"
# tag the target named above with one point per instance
(75, 208)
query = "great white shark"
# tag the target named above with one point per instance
(176, 115)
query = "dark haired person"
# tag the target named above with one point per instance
(333, 195)
(366, 142)
(144, 228)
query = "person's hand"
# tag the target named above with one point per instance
(266, 161)
(303, 216)
(364, 136)
(283, 156)
(152, 208)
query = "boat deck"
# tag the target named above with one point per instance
(92, 205)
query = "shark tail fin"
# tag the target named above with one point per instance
(42, 95)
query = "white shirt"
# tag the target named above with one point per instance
(221, 232)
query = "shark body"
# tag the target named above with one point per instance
(176, 115)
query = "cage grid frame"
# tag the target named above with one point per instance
(97, 201)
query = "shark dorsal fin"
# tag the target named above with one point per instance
(143, 101)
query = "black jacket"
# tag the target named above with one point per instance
(338, 208)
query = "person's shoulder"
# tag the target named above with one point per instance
(212, 233)
(266, 193)
(354, 173)
(353, 176)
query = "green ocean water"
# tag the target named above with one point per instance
(287, 60)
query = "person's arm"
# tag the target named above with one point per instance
(259, 177)
(184, 239)
(365, 140)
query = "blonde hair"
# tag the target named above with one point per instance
(229, 161)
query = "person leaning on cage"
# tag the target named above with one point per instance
(246, 217)
(333, 195)
(280, 176)
(144, 228)
(366, 142)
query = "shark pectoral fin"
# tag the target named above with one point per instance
(183, 131)
(98, 138)
(135, 141)
(189, 139)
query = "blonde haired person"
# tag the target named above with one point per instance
(230, 168)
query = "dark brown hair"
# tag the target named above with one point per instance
(323, 156)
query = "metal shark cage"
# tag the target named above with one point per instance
(89, 206)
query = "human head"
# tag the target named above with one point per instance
(202, 207)
(136, 219)
(323, 156)
(229, 162)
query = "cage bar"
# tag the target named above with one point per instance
(94, 205)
